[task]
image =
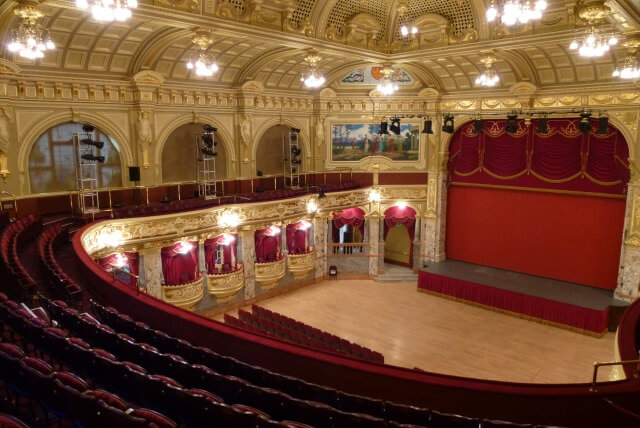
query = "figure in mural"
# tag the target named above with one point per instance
(5, 121)
(144, 136)
(352, 142)
(245, 134)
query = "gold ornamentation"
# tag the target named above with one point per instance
(184, 296)
(226, 286)
(268, 274)
(301, 264)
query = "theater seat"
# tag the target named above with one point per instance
(153, 417)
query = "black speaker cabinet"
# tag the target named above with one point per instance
(134, 173)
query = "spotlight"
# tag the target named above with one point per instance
(208, 136)
(296, 151)
(543, 126)
(603, 125)
(512, 123)
(426, 128)
(98, 144)
(209, 151)
(478, 126)
(93, 158)
(209, 128)
(383, 128)
(88, 128)
(447, 126)
(585, 123)
(395, 125)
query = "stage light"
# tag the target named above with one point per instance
(512, 123)
(603, 125)
(427, 127)
(543, 126)
(90, 157)
(478, 126)
(448, 123)
(98, 144)
(383, 128)
(208, 136)
(395, 125)
(585, 123)
(88, 128)
(227, 239)
(209, 151)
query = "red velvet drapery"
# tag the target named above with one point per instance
(351, 216)
(229, 254)
(130, 265)
(401, 215)
(298, 237)
(178, 268)
(564, 158)
(268, 245)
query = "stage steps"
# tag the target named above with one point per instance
(394, 273)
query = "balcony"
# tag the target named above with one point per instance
(268, 274)
(184, 296)
(225, 286)
(301, 264)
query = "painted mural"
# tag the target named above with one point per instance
(372, 75)
(352, 142)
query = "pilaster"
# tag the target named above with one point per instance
(151, 263)
(628, 285)
(320, 227)
(248, 252)
(375, 245)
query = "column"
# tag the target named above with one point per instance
(283, 238)
(202, 265)
(151, 269)
(248, 254)
(433, 232)
(417, 245)
(320, 243)
(628, 287)
(374, 244)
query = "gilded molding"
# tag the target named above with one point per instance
(184, 296)
(226, 286)
(301, 264)
(268, 274)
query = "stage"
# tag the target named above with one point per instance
(577, 307)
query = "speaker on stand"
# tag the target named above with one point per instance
(134, 175)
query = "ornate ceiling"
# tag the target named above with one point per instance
(266, 40)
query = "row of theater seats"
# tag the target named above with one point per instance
(59, 283)
(12, 272)
(337, 187)
(335, 343)
(270, 195)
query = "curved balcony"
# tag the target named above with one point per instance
(301, 264)
(268, 274)
(225, 286)
(184, 296)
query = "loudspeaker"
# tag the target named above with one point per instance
(134, 173)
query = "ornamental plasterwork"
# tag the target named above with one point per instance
(403, 192)
(188, 5)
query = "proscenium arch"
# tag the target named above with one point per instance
(50, 121)
(291, 123)
(225, 139)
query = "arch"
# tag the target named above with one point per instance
(50, 121)
(226, 138)
(292, 123)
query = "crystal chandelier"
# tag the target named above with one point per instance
(387, 86)
(490, 76)
(203, 65)
(405, 28)
(108, 10)
(630, 68)
(311, 75)
(515, 11)
(595, 42)
(28, 38)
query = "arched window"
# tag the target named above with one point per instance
(52, 160)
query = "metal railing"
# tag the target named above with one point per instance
(115, 270)
(348, 248)
(597, 365)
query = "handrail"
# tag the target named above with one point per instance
(136, 277)
(15, 201)
(597, 365)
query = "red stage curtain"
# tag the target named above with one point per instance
(297, 238)
(229, 254)
(178, 268)
(351, 216)
(574, 238)
(564, 158)
(267, 247)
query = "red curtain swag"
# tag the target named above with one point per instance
(351, 216)
(298, 237)
(229, 254)
(178, 268)
(267, 245)
(130, 265)
(401, 215)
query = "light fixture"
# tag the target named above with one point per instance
(513, 12)
(630, 68)
(490, 76)
(406, 30)
(204, 65)
(387, 86)
(595, 42)
(311, 75)
(108, 10)
(427, 127)
(304, 225)
(603, 125)
(374, 195)
(584, 124)
(28, 38)
(448, 123)
(227, 239)
(395, 125)
(111, 239)
(120, 260)
(312, 206)
(273, 230)
(512, 123)
(543, 126)
(229, 218)
(401, 204)
(184, 247)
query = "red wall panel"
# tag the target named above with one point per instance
(567, 237)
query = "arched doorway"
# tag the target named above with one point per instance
(270, 155)
(52, 160)
(399, 232)
(181, 152)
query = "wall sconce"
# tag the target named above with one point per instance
(273, 230)
(312, 206)
(227, 239)
(111, 239)
(374, 195)
(229, 218)
(305, 225)
(184, 247)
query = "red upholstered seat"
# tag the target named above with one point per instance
(134, 367)
(8, 421)
(206, 394)
(79, 342)
(11, 350)
(72, 380)
(104, 354)
(152, 416)
(56, 331)
(109, 398)
(166, 380)
(37, 364)
(249, 409)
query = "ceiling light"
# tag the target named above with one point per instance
(311, 75)
(630, 68)
(513, 12)
(28, 38)
(406, 30)
(595, 42)
(490, 76)
(108, 10)
(204, 65)
(387, 86)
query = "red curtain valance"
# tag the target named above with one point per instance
(351, 216)
(177, 267)
(564, 158)
(130, 264)
(298, 237)
(229, 253)
(268, 245)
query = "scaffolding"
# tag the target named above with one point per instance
(86, 162)
(292, 159)
(207, 185)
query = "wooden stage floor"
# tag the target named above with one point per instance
(413, 329)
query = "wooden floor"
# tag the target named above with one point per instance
(413, 329)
